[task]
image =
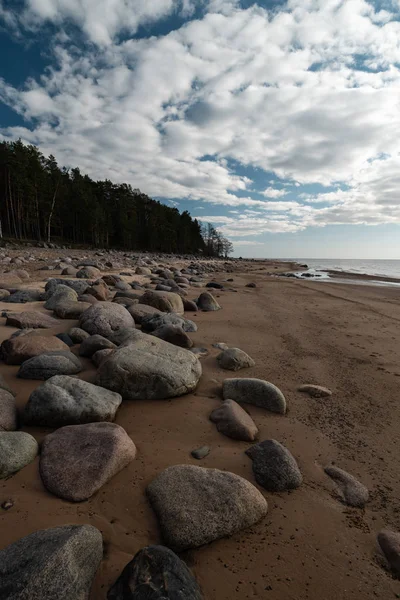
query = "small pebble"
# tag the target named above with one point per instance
(201, 452)
(7, 505)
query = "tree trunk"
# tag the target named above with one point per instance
(51, 212)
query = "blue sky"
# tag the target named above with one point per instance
(279, 122)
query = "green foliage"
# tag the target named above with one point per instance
(40, 200)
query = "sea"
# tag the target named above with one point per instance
(319, 267)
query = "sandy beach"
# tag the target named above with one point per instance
(310, 545)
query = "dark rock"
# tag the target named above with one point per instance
(155, 573)
(169, 302)
(52, 564)
(207, 302)
(94, 343)
(389, 542)
(146, 367)
(18, 349)
(64, 337)
(195, 505)
(31, 320)
(250, 285)
(23, 296)
(8, 411)
(200, 453)
(215, 285)
(274, 467)
(78, 286)
(88, 273)
(142, 311)
(76, 461)
(190, 305)
(17, 449)
(77, 335)
(60, 294)
(107, 319)
(351, 490)
(255, 391)
(50, 364)
(71, 310)
(64, 400)
(174, 335)
(234, 359)
(101, 355)
(234, 422)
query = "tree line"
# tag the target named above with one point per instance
(44, 202)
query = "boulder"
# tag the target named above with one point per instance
(274, 467)
(190, 305)
(88, 273)
(49, 364)
(146, 367)
(8, 411)
(31, 320)
(234, 359)
(389, 543)
(141, 311)
(255, 391)
(351, 490)
(195, 505)
(153, 322)
(64, 400)
(128, 294)
(60, 294)
(207, 302)
(142, 271)
(107, 319)
(52, 564)
(88, 299)
(3, 295)
(99, 290)
(127, 302)
(76, 461)
(18, 349)
(93, 343)
(77, 335)
(122, 285)
(78, 286)
(215, 285)
(71, 310)
(64, 337)
(101, 355)
(70, 271)
(234, 422)
(23, 296)
(169, 302)
(155, 573)
(17, 449)
(5, 386)
(315, 391)
(174, 335)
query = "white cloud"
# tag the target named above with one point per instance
(308, 92)
(273, 193)
(247, 243)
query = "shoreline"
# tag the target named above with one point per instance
(310, 545)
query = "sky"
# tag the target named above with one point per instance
(278, 122)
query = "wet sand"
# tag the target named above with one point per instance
(310, 545)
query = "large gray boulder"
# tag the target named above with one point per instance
(62, 293)
(64, 400)
(17, 449)
(155, 573)
(169, 302)
(274, 467)
(77, 335)
(234, 422)
(23, 296)
(107, 319)
(88, 273)
(78, 460)
(146, 367)
(49, 364)
(174, 335)
(78, 286)
(352, 491)
(153, 322)
(234, 359)
(141, 311)
(8, 411)
(71, 310)
(16, 350)
(207, 302)
(31, 320)
(255, 391)
(93, 343)
(51, 564)
(195, 505)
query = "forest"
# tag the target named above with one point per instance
(41, 201)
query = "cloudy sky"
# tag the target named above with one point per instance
(279, 122)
